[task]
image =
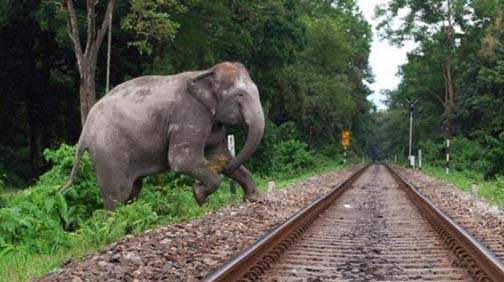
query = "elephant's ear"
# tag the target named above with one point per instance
(202, 89)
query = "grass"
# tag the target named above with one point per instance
(492, 190)
(22, 266)
(462, 179)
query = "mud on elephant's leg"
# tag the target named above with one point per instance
(218, 159)
(215, 164)
(207, 181)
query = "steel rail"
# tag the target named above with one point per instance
(266, 250)
(251, 263)
(481, 263)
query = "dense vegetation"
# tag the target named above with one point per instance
(456, 73)
(308, 58)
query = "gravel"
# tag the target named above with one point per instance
(189, 251)
(482, 219)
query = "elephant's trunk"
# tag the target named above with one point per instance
(254, 119)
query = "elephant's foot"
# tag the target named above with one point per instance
(200, 193)
(254, 197)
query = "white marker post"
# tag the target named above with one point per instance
(419, 158)
(231, 148)
(412, 161)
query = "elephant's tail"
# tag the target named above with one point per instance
(78, 156)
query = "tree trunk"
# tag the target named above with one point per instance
(87, 89)
(449, 101)
(449, 84)
(86, 60)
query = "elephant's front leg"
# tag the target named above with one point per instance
(219, 156)
(188, 158)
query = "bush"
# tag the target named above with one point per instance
(84, 196)
(332, 151)
(495, 156)
(2, 188)
(465, 154)
(292, 156)
(106, 226)
(287, 131)
(433, 153)
(36, 219)
(494, 190)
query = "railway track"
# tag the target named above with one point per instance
(373, 227)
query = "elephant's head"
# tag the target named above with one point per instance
(229, 93)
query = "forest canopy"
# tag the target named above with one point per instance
(456, 74)
(308, 58)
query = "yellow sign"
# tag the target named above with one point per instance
(345, 138)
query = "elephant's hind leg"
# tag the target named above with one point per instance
(137, 187)
(115, 187)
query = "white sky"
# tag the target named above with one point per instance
(384, 58)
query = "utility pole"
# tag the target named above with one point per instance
(411, 105)
(109, 47)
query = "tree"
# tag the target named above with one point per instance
(87, 58)
(436, 25)
(148, 20)
(314, 50)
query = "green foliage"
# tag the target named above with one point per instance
(433, 152)
(495, 156)
(461, 179)
(494, 190)
(152, 21)
(474, 51)
(292, 156)
(465, 154)
(287, 131)
(2, 184)
(308, 59)
(37, 219)
(105, 226)
(84, 196)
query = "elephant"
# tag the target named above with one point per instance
(154, 123)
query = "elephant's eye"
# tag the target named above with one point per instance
(241, 94)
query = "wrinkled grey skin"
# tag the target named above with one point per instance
(152, 123)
